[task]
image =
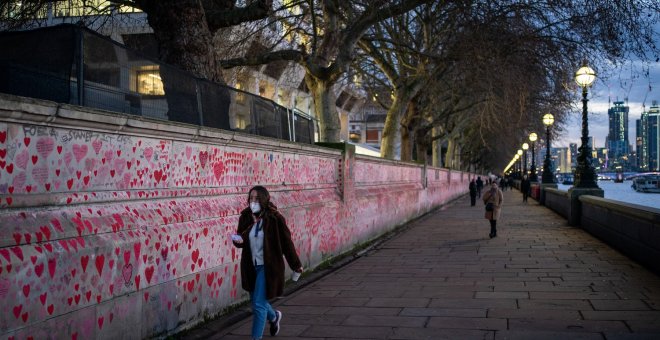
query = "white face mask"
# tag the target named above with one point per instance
(255, 207)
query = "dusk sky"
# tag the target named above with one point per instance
(628, 82)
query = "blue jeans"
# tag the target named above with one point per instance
(260, 307)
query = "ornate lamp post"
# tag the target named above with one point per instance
(525, 147)
(532, 170)
(515, 164)
(547, 176)
(519, 153)
(585, 176)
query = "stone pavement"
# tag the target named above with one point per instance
(443, 278)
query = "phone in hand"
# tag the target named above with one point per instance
(237, 238)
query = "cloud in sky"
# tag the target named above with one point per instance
(626, 82)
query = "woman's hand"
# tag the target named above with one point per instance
(299, 270)
(237, 239)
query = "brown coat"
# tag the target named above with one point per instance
(277, 244)
(496, 197)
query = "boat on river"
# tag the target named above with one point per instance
(618, 178)
(647, 183)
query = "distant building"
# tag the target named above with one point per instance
(573, 147)
(366, 126)
(600, 158)
(641, 143)
(617, 139)
(561, 158)
(653, 137)
(648, 139)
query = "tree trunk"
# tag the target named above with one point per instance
(406, 144)
(436, 149)
(183, 36)
(449, 156)
(422, 145)
(390, 146)
(325, 108)
(185, 41)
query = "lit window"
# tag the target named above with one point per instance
(150, 83)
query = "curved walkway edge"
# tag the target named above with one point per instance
(442, 277)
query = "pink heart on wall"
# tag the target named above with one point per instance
(96, 145)
(45, 146)
(127, 274)
(21, 159)
(79, 151)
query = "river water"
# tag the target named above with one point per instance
(624, 193)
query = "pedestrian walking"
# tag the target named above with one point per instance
(473, 192)
(265, 240)
(480, 186)
(525, 188)
(493, 199)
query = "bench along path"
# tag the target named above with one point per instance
(443, 278)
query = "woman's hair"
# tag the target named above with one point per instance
(262, 194)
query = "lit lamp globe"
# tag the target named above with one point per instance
(548, 119)
(585, 76)
(525, 146)
(533, 137)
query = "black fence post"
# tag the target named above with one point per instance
(80, 47)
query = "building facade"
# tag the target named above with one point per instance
(617, 139)
(648, 139)
(653, 137)
(282, 82)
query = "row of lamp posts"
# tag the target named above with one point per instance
(585, 175)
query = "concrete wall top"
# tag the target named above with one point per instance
(557, 192)
(643, 212)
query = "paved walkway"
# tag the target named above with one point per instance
(443, 278)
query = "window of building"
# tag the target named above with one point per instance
(149, 82)
(372, 136)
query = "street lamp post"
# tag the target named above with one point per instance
(525, 147)
(521, 168)
(547, 176)
(585, 176)
(532, 170)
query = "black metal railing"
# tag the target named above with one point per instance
(74, 65)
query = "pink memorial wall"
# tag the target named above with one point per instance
(117, 227)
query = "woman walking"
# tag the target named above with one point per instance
(473, 192)
(493, 199)
(263, 235)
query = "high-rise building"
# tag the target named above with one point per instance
(641, 142)
(617, 138)
(573, 147)
(648, 139)
(562, 159)
(653, 137)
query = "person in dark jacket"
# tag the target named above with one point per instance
(525, 188)
(480, 185)
(473, 192)
(265, 240)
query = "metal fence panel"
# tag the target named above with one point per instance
(48, 64)
(37, 63)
